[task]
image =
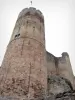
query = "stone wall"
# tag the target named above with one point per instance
(60, 66)
(65, 68)
(74, 83)
(28, 71)
(51, 68)
(24, 71)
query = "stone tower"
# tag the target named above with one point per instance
(24, 72)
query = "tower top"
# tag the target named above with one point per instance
(31, 11)
(65, 54)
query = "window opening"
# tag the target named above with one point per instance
(17, 35)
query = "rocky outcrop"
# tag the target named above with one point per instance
(70, 95)
(60, 88)
(57, 84)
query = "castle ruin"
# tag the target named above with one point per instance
(28, 71)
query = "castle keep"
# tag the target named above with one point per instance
(28, 71)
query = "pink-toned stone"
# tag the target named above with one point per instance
(24, 64)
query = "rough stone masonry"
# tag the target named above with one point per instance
(28, 71)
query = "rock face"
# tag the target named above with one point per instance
(66, 96)
(60, 88)
(58, 85)
(70, 95)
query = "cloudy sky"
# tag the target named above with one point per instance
(59, 24)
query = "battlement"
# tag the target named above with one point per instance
(62, 59)
(32, 11)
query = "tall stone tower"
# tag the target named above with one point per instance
(24, 65)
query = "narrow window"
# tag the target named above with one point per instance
(17, 35)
